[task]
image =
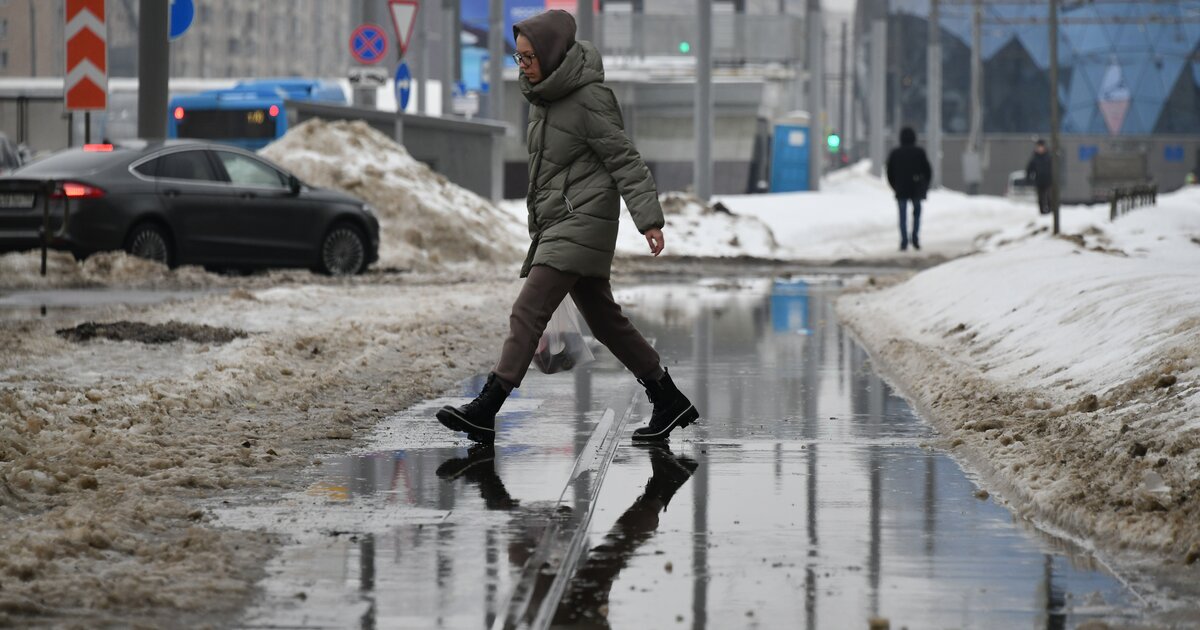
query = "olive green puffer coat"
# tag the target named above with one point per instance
(580, 164)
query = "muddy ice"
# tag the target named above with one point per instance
(142, 332)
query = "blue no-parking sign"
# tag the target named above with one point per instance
(182, 14)
(403, 85)
(368, 44)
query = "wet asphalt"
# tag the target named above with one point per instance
(807, 496)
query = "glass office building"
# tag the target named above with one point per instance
(1126, 68)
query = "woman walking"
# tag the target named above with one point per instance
(580, 165)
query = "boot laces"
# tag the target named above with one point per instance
(649, 389)
(490, 391)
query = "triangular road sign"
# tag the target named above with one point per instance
(404, 18)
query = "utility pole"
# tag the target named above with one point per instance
(1055, 178)
(584, 19)
(704, 101)
(841, 128)
(852, 135)
(154, 63)
(878, 94)
(816, 94)
(496, 59)
(933, 95)
(973, 158)
(451, 62)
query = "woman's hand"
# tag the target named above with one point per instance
(654, 237)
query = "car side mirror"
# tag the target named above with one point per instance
(294, 184)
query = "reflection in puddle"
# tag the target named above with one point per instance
(586, 601)
(804, 497)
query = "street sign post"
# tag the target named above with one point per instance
(182, 14)
(367, 76)
(404, 18)
(403, 86)
(86, 87)
(368, 44)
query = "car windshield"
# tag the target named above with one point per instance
(70, 162)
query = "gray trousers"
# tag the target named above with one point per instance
(545, 288)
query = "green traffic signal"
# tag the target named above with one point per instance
(834, 142)
(685, 47)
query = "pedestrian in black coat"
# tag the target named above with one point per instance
(1040, 171)
(909, 173)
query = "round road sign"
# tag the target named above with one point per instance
(368, 44)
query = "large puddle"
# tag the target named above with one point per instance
(805, 497)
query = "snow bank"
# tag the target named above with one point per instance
(854, 216)
(425, 220)
(1067, 369)
(22, 270)
(110, 449)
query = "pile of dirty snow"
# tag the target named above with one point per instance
(425, 221)
(1066, 369)
(694, 228)
(22, 270)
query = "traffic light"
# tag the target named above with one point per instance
(685, 47)
(834, 142)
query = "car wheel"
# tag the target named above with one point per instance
(150, 241)
(343, 251)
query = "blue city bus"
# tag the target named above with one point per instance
(251, 114)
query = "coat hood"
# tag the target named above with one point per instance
(552, 34)
(908, 137)
(581, 66)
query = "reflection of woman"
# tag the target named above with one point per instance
(583, 604)
(580, 165)
(592, 583)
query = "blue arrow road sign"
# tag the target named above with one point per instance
(182, 13)
(368, 44)
(403, 85)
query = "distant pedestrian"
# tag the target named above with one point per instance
(1040, 171)
(909, 173)
(581, 164)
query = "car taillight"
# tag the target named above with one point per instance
(75, 190)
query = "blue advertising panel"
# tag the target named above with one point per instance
(475, 36)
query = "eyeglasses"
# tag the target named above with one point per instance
(524, 59)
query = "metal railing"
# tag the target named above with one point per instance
(736, 38)
(1123, 200)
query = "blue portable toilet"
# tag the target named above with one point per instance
(790, 153)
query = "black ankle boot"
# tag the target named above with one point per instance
(477, 418)
(671, 409)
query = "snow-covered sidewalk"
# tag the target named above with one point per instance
(1066, 370)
